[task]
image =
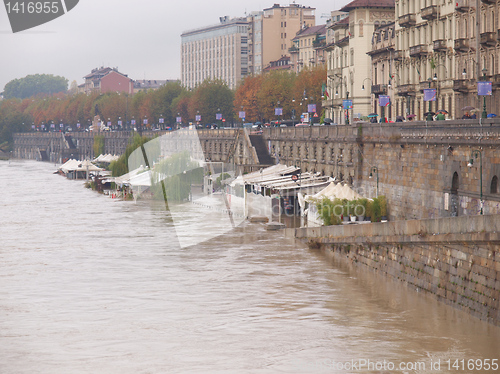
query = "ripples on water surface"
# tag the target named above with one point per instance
(94, 285)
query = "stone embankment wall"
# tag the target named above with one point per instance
(421, 167)
(457, 260)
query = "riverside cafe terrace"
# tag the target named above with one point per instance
(277, 185)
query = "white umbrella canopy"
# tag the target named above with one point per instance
(336, 191)
(87, 165)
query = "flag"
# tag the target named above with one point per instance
(324, 90)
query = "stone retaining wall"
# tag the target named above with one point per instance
(457, 260)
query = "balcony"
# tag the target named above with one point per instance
(397, 55)
(407, 20)
(430, 12)
(343, 42)
(495, 80)
(462, 45)
(335, 72)
(379, 89)
(337, 102)
(488, 39)
(489, 1)
(424, 85)
(418, 50)
(406, 90)
(440, 45)
(462, 6)
(461, 85)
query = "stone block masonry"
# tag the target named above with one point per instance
(456, 260)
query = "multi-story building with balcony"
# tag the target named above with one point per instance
(335, 16)
(217, 52)
(425, 46)
(477, 53)
(308, 49)
(349, 66)
(381, 80)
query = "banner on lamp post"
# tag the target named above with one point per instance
(197, 118)
(347, 104)
(384, 100)
(484, 88)
(218, 116)
(242, 114)
(278, 111)
(311, 108)
(429, 94)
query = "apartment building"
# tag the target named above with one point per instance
(308, 48)
(349, 66)
(217, 52)
(255, 62)
(383, 76)
(280, 25)
(425, 56)
(106, 79)
(476, 54)
(335, 16)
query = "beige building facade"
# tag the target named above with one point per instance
(349, 65)
(477, 54)
(280, 24)
(308, 49)
(425, 53)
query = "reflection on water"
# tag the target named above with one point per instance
(94, 285)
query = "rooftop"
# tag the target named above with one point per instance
(368, 4)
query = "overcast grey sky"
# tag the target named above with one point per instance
(140, 37)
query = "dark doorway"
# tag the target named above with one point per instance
(454, 195)
(494, 185)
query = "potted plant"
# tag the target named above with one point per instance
(376, 210)
(360, 209)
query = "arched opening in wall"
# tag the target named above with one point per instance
(494, 185)
(350, 180)
(454, 195)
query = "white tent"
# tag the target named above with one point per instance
(75, 165)
(122, 179)
(336, 191)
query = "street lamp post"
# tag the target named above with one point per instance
(474, 155)
(429, 115)
(347, 117)
(363, 88)
(374, 169)
(484, 114)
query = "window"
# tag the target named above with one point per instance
(361, 31)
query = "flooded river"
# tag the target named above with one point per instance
(89, 284)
